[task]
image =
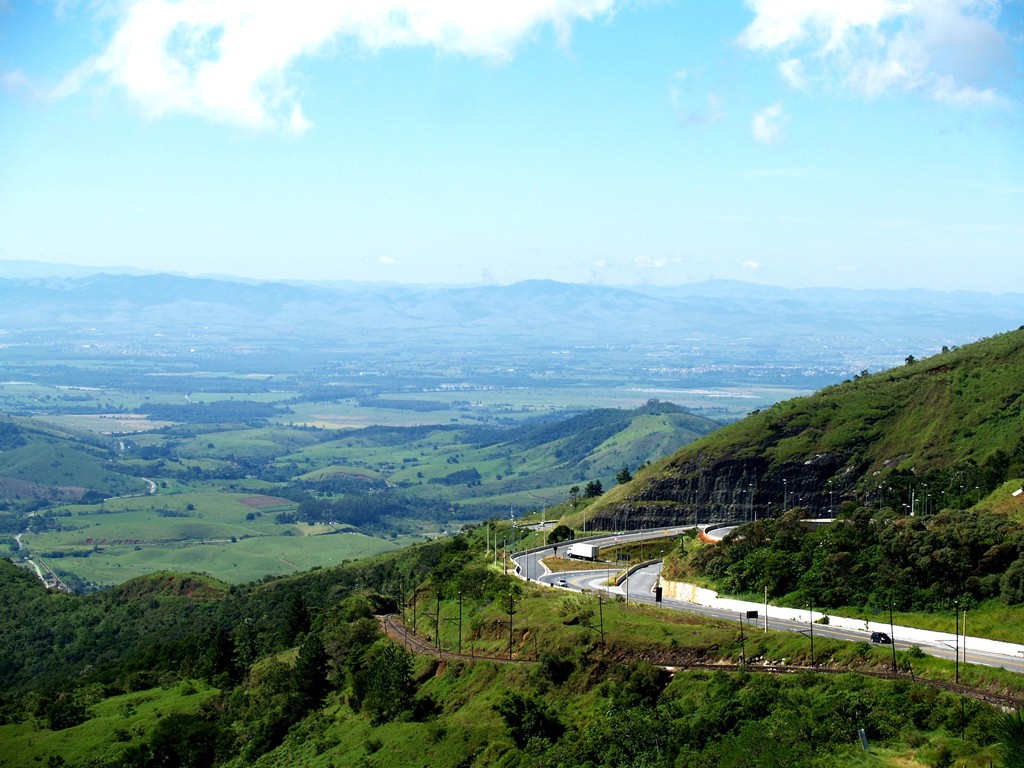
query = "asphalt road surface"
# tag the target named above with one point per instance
(639, 587)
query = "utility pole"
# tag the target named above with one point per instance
(437, 624)
(743, 644)
(510, 626)
(956, 647)
(600, 608)
(963, 651)
(459, 621)
(810, 621)
(892, 638)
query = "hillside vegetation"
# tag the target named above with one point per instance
(296, 672)
(45, 464)
(241, 501)
(938, 433)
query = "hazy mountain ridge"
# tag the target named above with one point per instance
(546, 311)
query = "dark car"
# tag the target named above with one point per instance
(880, 637)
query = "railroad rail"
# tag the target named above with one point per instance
(414, 643)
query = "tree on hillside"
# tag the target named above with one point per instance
(310, 676)
(384, 684)
(593, 489)
(559, 533)
(1010, 732)
(624, 475)
(527, 717)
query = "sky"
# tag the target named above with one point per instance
(845, 143)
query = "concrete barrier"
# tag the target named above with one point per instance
(691, 593)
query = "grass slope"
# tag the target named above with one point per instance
(38, 461)
(956, 412)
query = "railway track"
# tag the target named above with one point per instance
(414, 643)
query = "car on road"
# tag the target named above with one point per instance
(562, 583)
(880, 637)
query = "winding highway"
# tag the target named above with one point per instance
(639, 587)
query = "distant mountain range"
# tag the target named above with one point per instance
(535, 312)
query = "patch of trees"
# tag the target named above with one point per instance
(10, 436)
(55, 643)
(559, 534)
(419, 406)
(371, 512)
(462, 476)
(343, 484)
(577, 436)
(870, 557)
(329, 394)
(388, 436)
(219, 411)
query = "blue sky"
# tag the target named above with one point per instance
(869, 143)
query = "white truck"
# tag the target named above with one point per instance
(584, 551)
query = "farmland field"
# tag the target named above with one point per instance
(235, 562)
(215, 451)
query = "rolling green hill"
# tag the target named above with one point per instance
(942, 432)
(485, 470)
(41, 463)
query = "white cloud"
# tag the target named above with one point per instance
(647, 262)
(387, 260)
(792, 71)
(230, 60)
(16, 80)
(952, 51)
(693, 107)
(752, 265)
(766, 125)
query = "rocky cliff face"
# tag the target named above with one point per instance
(709, 489)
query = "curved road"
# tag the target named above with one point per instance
(639, 587)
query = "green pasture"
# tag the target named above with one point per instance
(399, 462)
(114, 722)
(350, 415)
(235, 562)
(336, 470)
(261, 442)
(104, 423)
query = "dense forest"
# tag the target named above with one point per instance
(870, 557)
